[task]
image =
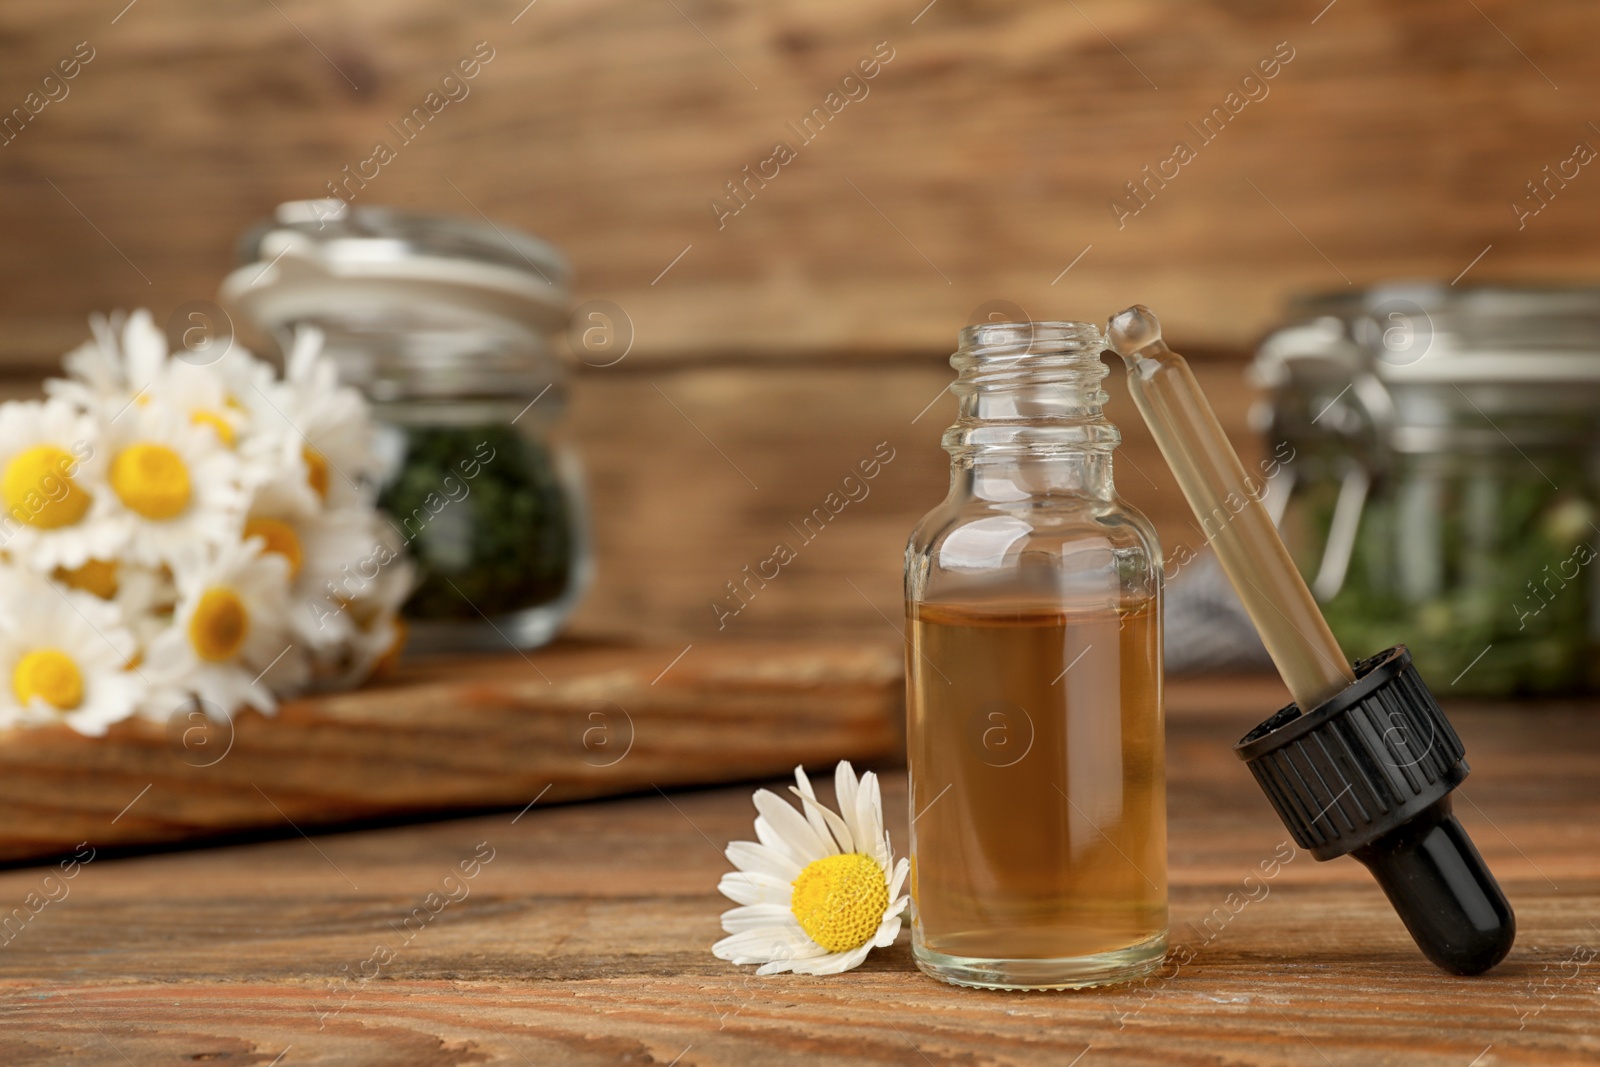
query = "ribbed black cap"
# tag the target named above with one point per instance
(1360, 764)
(1369, 772)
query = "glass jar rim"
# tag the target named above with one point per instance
(1431, 333)
(366, 267)
(390, 233)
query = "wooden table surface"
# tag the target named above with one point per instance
(583, 938)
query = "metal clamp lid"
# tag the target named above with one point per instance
(327, 261)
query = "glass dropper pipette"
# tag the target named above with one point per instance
(1232, 517)
(1363, 762)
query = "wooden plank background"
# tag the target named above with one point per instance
(815, 324)
(688, 493)
(980, 164)
(695, 472)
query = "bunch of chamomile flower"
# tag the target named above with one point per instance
(180, 534)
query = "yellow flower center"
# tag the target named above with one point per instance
(316, 470)
(50, 674)
(222, 427)
(97, 576)
(280, 538)
(38, 491)
(219, 625)
(151, 480)
(839, 901)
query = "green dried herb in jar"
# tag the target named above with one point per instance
(450, 328)
(485, 515)
(1444, 490)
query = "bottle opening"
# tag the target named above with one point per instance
(1001, 339)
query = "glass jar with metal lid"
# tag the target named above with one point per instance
(450, 327)
(1442, 448)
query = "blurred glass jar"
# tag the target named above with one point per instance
(450, 328)
(1442, 451)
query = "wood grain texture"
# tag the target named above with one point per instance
(698, 473)
(584, 941)
(668, 451)
(561, 724)
(980, 165)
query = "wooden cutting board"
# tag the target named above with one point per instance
(563, 723)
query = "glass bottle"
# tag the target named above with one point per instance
(1038, 790)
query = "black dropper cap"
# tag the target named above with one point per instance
(1368, 773)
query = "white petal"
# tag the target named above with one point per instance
(755, 917)
(808, 951)
(833, 828)
(834, 962)
(766, 944)
(788, 963)
(753, 887)
(887, 932)
(774, 840)
(746, 946)
(844, 788)
(901, 869)
(869, 817)
(303, 353)
(792, 827)
(810, 807)
(749, 856)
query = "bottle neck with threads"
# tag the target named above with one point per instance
(1030, 420)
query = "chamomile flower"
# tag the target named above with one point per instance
(365, 599)
(51, 461)
(324, 432)
(115, 367)
(145, 596)
(171, 485)
(196, 515)
(148, 597)
(64, 657)
(249, 383)
(202, 395)
(821, 889)
(320, 546)
(131, 367)
(229, 643)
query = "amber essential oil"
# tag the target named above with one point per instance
(1038, 792)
